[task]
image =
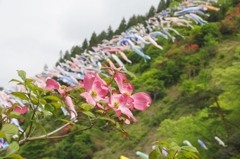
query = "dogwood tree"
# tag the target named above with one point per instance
(94, 98)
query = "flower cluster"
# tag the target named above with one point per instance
(122, 101)
(191, 48)
(97, 92)
(51, 84)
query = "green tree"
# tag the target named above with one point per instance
(60, 59)
(173, 4)
(153, 85)
(122, 27)
(85, 45)
(38, 149)
(168, 2)
(151, 12)
(102, 36)
(67, 55)
(93, 40)
(161, 6)
(76, 50)
(189, 128)
(132, 21)
(141, 19)
(110, 33)
(228, 79)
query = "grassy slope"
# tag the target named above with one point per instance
(146, 127)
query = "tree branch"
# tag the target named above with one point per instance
(48, 136)
(222, 117)
(54, 137)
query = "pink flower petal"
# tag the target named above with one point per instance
(126, 88)
(69, 88)
(88, 80)
(62, 92)
(96, 88)
(70, 104)
(127, 121)
(127, 112)
(101, 88)
(51, 84)
(123, 85)
(141, 101)
(20, 110)
(88, 98)
(120, 78)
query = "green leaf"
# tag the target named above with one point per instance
(2, 135)
(42, 101)
(189, 155)
(107, 80)
(9, 130)
(22, 74)
(46, 113)
(49, 107)
(174, 146)
(15, 115)
(28, 80)
(81, 90)
(153, 155)
(171, 154)
(34, 88)
(15, 104)
(189, 148)
(100, 111)
(15, 80)
(55, 112)
(88, 113)
(57, 105)
(164, 144)
(15, 156)
(34, 99)
(12, 148)
(86, 106)
(20, 95)
(119, 126)
(103, 103)
(52, 98)
(107, 118)
(40, 127)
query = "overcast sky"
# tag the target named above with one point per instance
(32, 32)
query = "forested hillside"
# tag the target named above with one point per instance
(194, 85)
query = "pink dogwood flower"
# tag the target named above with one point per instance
(140, 101)
(123, 84)
(73, 112)
(20, 110)
(118, 102)
(51, 84)
(96, 88)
